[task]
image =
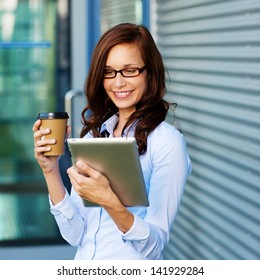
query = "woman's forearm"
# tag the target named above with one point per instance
(121, 216)
(55, 185)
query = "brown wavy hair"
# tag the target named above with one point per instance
(151, 110)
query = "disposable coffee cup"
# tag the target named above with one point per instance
(57, 123)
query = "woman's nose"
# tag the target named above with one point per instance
(119, 80)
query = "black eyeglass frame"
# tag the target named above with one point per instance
(140, 71)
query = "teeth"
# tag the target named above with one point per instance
(122, 93)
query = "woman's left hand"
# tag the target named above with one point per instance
(91, 184)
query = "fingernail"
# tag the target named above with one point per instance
(79, 163)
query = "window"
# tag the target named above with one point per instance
(29, 83)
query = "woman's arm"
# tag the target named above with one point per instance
(93, 186)
(62, 207)
(49, 165)
(168, 165)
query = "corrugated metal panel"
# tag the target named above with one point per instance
(212, 52)
(118, 11)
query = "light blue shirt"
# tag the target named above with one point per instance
(166, 166)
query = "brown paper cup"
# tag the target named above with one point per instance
(57, 123)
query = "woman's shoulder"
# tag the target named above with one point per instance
(166, 137)
(165, 131)
(167, 141)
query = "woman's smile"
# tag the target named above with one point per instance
(122, 94)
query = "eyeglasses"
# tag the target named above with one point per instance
(126, 72)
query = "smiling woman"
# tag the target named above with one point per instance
(126, 100)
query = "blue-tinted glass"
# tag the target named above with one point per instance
(27, 86)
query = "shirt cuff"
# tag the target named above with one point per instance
(139, 231)
(64, 207)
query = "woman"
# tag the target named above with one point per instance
(124, 89)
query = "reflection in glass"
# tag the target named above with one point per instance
(27, 83)
(27, 86)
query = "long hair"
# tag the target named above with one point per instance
(151, 110)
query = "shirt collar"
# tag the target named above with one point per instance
(110, 124)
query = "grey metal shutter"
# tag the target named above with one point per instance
(212, 52)
(118, 11)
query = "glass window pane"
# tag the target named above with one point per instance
(27, 86)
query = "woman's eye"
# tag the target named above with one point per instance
(130, 70)
(107, 72)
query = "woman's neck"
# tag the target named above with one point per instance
(119, 127)
(122, 120)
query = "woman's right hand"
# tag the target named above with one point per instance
(41, 145)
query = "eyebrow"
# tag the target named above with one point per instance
(125, 65)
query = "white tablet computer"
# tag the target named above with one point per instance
(117, 159)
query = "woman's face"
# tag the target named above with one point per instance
(125, 92)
